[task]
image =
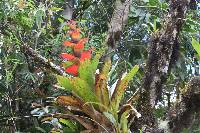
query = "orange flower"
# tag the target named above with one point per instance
(75, 35)
(67, 56)
(68, 43)
(80, 44)
(73, 69)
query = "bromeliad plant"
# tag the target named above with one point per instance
(90, 102)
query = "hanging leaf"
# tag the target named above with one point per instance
(121, 87)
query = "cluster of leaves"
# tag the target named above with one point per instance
(90, 102)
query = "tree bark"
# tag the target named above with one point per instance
(43, 62)
(181, 115)
(118, 21)
(163, 52)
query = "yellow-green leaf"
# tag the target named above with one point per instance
(87, 70)
(101, 89)
(65, 82)
(121, 87)
(196, 46)
(83, 90)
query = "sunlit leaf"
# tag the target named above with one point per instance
(55, 9)
(196, 46)
(64, 82)
(121, 87)
(101, 89)
(87, 70)
(83, 90)
(68, 123)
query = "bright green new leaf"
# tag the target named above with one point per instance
(87, 70)
(83, 90)
(196, 46)
(124, 121)
(121, 87)
(68, 123)
(64, 82)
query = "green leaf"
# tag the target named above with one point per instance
(65, 82)
(56, 9)
(87, 70)
(61, 20)
(83, 90)
(77, 86)
(110, 117)
(124, 121)
(121, 87)
(101, 89)
(68, 123)
(196, 46)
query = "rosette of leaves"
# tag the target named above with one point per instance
(90, 103)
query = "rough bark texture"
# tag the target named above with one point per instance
(163, 51)
(181, 115)
(43, 62)
(68, 12)
(118, 21)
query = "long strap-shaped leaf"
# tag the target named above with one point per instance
(121, 87)
(196, 46)
(79, 87)
(101, 89)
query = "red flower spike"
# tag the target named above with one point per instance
(67, 56)
(86, 55)
(68, 43)
(73, 69)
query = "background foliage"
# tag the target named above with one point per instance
(26, 91)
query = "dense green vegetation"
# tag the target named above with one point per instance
(33, 91)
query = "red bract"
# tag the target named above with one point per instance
(67, 56)
(79, 46)
(73, 69)
(86, 55)
(68, 43)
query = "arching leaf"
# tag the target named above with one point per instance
(121, 87)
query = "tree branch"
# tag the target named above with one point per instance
(118, 21)
(42, 61)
